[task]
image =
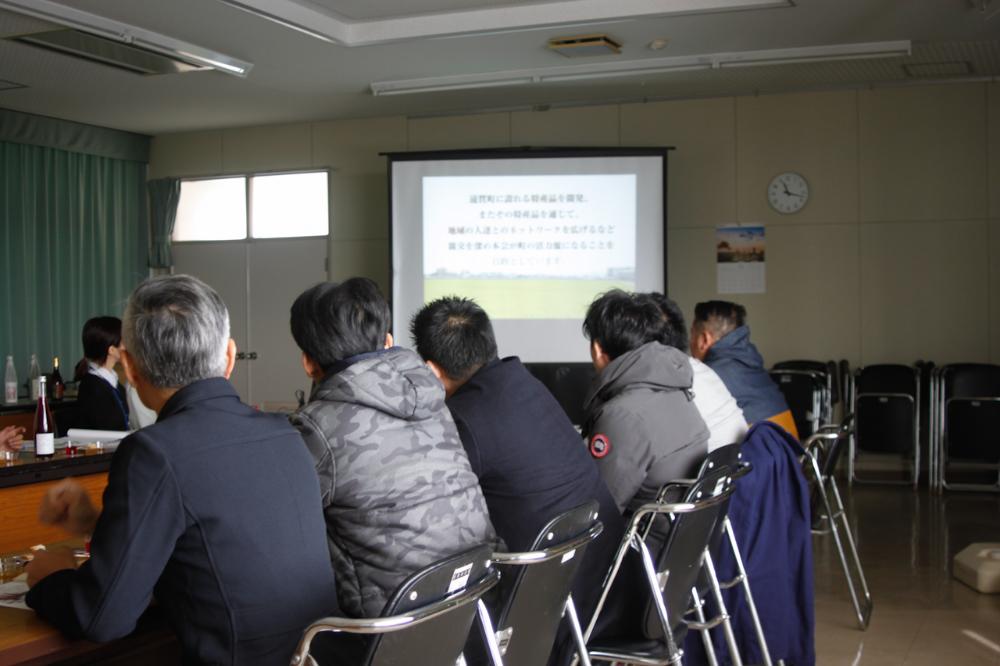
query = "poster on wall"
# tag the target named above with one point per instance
(739, 260)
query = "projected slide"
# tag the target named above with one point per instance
(529, 247)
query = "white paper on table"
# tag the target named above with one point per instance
(12, 594)
(105, 436)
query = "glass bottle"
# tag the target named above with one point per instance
(58, 385)
(34, 372)
(45, 431)
(10, 382)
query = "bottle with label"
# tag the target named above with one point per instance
(45, 427)
(58, 385)
(10, 382)
(34, 372)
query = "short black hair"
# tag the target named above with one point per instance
(720, 317)
(99, 333)
(621, 321)
(331, 322)
(456, 334)
(673, 331)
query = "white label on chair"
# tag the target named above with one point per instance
(460, 578)
(719, 485)
(567, 556)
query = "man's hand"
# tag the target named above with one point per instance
(68, 506)
(46, 562)
(10, 438)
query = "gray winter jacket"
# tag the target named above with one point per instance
(398, 491)
(642, 425)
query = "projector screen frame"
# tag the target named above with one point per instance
(519, 152)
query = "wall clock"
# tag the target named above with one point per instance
(788, 192)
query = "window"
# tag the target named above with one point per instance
(288, 205)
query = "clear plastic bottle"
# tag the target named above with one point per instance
(10, 382)
(34, 372)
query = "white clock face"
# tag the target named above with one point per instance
(788, 192)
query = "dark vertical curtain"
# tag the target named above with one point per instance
(164, 194)
(73, 241)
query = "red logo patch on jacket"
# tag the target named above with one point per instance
(600, 446)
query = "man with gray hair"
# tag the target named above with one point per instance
(215, 509)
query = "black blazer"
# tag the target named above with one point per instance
(99, 406)
(214, 509)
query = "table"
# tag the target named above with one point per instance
(26, 480)
(27, 639)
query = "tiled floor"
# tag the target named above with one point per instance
(922, 615)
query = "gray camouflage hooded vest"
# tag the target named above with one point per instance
(398, 491)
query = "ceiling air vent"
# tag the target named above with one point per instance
(585, 45)
(107, 52)
(937, 70)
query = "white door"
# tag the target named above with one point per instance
(223, 266)
(259, 280)
(280, 270)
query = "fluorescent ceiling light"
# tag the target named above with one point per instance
(606, 70)
(65, 15)
(808, 54)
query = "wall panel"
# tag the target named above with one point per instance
(922, 154)
(815, 135)
(925, 292)
(578, 126)
(702, 172)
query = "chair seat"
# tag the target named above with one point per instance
(641, 651)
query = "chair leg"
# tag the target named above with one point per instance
(661, 607)
(490, 638)
(569, 612)
(863, 610)
(745, 580)
(706, 638)
(727, 627)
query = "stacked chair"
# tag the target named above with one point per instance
(965, 422)
(821, 452)
(811, 388)
(887, 416)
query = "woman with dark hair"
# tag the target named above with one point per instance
(100, 402)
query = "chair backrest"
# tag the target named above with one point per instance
(826, 368)
(971, 380)
(439, 641)
(887, 378)
(886, 404)
(678, 563)
(971, 427)
(532, 602)
(568, 383)
(804, 392)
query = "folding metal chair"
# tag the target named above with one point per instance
(819, 457)
(538, 595)
(886, 417)
(427, 619)
(966, 400)
(729, 456)
(671, 575)
(807, 393)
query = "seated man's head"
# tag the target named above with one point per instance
(673, 331)
(618, 322)
(175, 332)
(713, 320)
(455, 337)
(331, 322)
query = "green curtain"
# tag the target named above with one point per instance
(73, 244)
(164, 195)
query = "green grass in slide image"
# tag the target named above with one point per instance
(526, 299)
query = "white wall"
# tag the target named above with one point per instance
(896, 257)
